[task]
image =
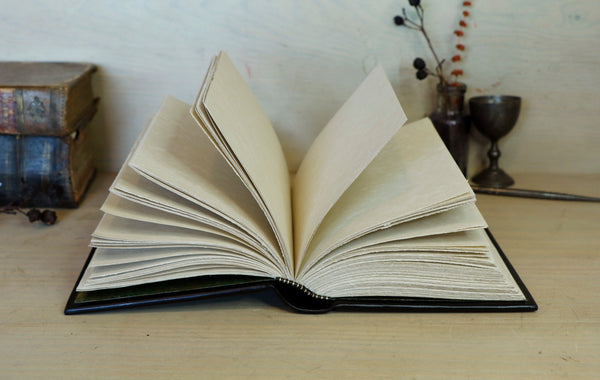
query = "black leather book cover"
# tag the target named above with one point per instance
(297, 297)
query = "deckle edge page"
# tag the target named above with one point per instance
(177, 155)
(342, 150)
(227, 110)
(412, 177)
(131, 186)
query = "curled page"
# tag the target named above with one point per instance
(233, 119)
(176, 155)
(413, 177)
(343, 149)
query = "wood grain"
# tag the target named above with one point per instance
(554, 246)
(303, 59)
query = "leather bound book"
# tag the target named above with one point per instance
(379, 216)
(44, 98)
(47, 171)
(294, 295)
(45, 150)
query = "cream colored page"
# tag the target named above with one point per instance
(459, 246)
(116, 231)
(463, 218)
(457, 242)
(425, 274)
(124, 208)
(119, 256)
(464, 274)
(501, 265)
(251, 139)
(167, 264)
(129, 186)
(177, 155)
(134, 238)
(134, 187)
(120, 233)
(345, 146)
(412, 173)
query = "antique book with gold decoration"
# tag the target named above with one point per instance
(45, 143)
(378, 216)
(45, 98)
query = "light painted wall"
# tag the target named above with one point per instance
(303, 58)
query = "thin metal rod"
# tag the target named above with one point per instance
(537, 194)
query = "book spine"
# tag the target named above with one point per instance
(300, 298)
(301, 288)
(33, 111)
(81, 170)
(44, 171)
(9, 167)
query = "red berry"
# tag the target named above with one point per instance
(459, 33)
(460, 47)
(456, 58)
(462, 23)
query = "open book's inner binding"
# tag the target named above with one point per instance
(378, 210)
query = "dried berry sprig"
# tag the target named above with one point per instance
(422, 70)
(419, 25)
(26, 196)
(47, 217)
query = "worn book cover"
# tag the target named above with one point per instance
(46, 171)
(45, 147)
(44, 98)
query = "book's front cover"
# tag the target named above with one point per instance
(293, 294)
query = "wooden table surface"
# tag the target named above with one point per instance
(554, 245)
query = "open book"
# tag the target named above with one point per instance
(378, 214)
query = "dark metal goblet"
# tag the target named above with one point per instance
(494, 116)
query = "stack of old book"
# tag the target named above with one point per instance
(45, 150)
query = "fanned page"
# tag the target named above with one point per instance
(457, 220)
(442, 269)
(176, 155)
(407, 227)
(135, 197)
(414, 176)
(233, 119)
(176, 192)
(379, 209)
(343, 149)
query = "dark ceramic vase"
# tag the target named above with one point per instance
(451, 122)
